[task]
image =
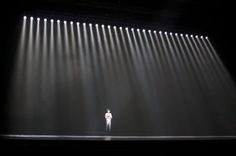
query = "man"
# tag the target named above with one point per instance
(108, 117)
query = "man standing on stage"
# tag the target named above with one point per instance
(108, 117)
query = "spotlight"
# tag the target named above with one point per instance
(181, 34)
(109, 26)
(38, 19)
(45, 20)
(77, 23)
(191, 35)
(160, 32)
(71, 22)
(51, 20)
(196, 36)
(90, 24)
(165, 33)
(120, 27)
(84, 24)
(31, 18)
(25, 17)
(137, 29)
(58, 21)
(64, 22)
(154, 31)
(126, 28)
(201, 36)
(132, 29)
(176, 34)
(96, 25)
(143, 30)
(149, 31)
(206, 37)
(170, 33)
(186, 35)
(102, 25)
(114, 27)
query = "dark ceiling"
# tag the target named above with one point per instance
(197, 16)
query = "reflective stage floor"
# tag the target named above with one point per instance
(117, 144)
(107, 137)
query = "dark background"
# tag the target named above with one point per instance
(211, 18)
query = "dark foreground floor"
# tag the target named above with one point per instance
(112, 146)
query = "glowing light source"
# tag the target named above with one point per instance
(102, 25)
(191, 35)
(126, 28)
(114, 27)
(176, 34)
(77, 23)
(181, 34)
(206, 37)
(58, 21)
(143, 30)
(84, 24)
(90, 24)
(120, 27)
(96, 25)
(149, 30)
(51, 20)
(45, 20)
(132, 29)
(196, 36)
(154, 31)
(160, 32)
(201, 36)
(137, 29)
(31, 18)
(108, 26)
(170, 33)
(25, 17)
(64, 22)
(38, 19)
(71, 22)
(186, 35)
(165, 33)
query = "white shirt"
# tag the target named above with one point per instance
(108, 116)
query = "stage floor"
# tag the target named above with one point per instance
(115, 144)
(107, 137)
